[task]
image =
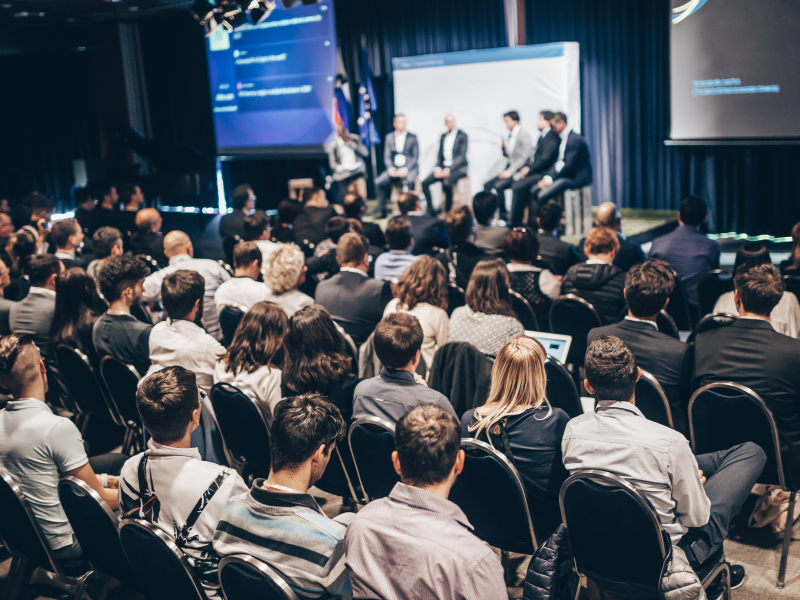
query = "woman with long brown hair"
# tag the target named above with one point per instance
(75, 313)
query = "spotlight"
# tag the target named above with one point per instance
(260, 10)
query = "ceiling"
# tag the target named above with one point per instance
(48, 12)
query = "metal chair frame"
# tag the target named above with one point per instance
(350, 486)
(365, 421)
(528, 308)
(130, 443)
(261, 568)
(579, 300)
(351, 345)
(560, 366)
(654, 382)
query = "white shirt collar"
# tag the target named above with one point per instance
(65, 255)
(156, 449)
(352, 270)
(565, 134)
(512, 267)
(594, 261)
(43, 291)
(179, 258)
(752, 317)
(630, 318)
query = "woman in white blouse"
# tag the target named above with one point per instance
(284, 272)
(252, 360)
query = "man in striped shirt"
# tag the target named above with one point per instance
(278, 521)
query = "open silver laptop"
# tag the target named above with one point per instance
(555, 345)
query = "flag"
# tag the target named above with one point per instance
(342, 106)
(367, 105)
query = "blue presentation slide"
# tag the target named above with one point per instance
(272, 84)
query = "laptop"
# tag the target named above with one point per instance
(555, 345)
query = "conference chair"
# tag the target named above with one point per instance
(652, 401)
(244, 577)
(571, 315)
(666, 324)
(24, 539)
(160, 566)
(339, 476)
(455, 298)
(524, 312)
(228, 245)
(710, 287)
(95, 527)
(710, 322)
(622, 553)
(684, 314)
(139, 312)
(351, 349)
(244, 430)
(561, 391)
(463, 374)
(229, 319)
(371, 441)
(726, 414)
(122, 382)
(227, 267)
(792, 283)
(149, 261)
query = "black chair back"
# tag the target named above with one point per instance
(160, 567)
(227, 267)
(710, 322)
(82, 386)
(228, 245)
(371, 443)
(337, 479)
(574, 316)
(243, 428)
(351, 348)
(489, 480)
(792, 283)
(561, 391)
(455, 298)
(666, 325)
(710, 287)
(139, 312)
(122, 382)
(95, 527)
(244, 577)
(524, 312)
(652, 401)
(229, 319)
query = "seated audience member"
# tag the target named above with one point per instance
(257, 229)
(323, 263)
(6, 229)
(309, 224)
(398, 389)
(648, 287)
(354, 300)
(131, 198)
(355, 207)
(287, 211)
(785, 317)
(629, 254)
(537, 285)
(278, 520)
(390, 265)
(441, 558)
(695, 496)
(315, 360)
(687, 250)
(117, 333)
(244, 201)
(68, 237)
(106, 244)
(597, 280)
(178, 248)
(791, 266)
(462, 255)
(490, 238)
(253, 360)
(5, 305)
(430, 235)
(487, 321)
(558, 254)
(37, 448)
(106, 213)
(284, 272)
(85, 201)
(148, 239)
(75, 313)
(169, 484)
(21, 247)
(242, 290)
(422, 291)
(533, 428)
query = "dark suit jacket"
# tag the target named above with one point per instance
(232, 224)
(310, 224)
(665, 358)
(559, 255)
(601, 285)
(410, 151)
(5, 310)
(577, 161)
(150, 243)
(492, 238)
(105, 217)
(374, 233)
(545, 155)
(459, 167)
(429, 233)
(629, 254)
(355, 301)
(33, 316)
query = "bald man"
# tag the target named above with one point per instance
(629, 254)
(180, 252)
(148, 238)
(451, 164)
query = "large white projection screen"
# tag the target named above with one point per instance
(478, 87)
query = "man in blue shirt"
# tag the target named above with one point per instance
(400, 235)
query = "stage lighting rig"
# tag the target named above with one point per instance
(232, 14)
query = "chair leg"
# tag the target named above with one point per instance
(787, 538)
(18, 577)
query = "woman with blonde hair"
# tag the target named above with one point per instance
(284, 272)
(518, 421)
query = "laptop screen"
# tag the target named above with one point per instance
(555, 345)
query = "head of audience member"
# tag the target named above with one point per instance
(6, 226)
(794, 256)
(354, 206)
(247, 259)
(22, 370)
(258, 340)
(751, 254)
(408, 202)
(450, 122)
(428, 451)
(43, 270)
(487, 290)
(693, 211)
(177, 243)
(109, 196)
(757, 289)
(601, 244)
(522, 246)
(5, 277)
(356, 226)
(511, 119)
(611, 371)
(399, 234)
(559, 122)
(544, 120)
(336, 227)
(424, 280)
(549, 218)
(182, 295)
(85, 198)
(398, 341)
(243, 198)
(131, 196)
(352, 252)
(315, 197)
(484, 205)
(648, 287)
(74, 315)
(288, 211)
(608, 215)
(42, 209)
(460, 226)
(21, 246)
(121, 280)
(5, 207)
(285, 269)
(305, 430)
(148, 220)
(67, 235)
(107, 243)
(399, 123)
(315, 355)
(257, 226)
(168, 402)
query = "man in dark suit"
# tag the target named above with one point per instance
(751, 353)
(355, 301)
(400, 157)
(309, 224)
(544, 157)
(647, 290)
(429, 232)
(451, 164)
(629, 254)
(558, 254)
(355, 208)
(491, 238)
(67, 235)
(244, 201)
(518, 148)
(148, 238)
(573, 166)
(106, 213)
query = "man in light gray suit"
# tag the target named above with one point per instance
(518, 147)
(400, 157)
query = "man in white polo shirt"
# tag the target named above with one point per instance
(243, 291)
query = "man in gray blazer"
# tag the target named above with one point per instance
(400, 157)
(518, 147)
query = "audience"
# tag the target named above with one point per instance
(390, 265)
(558, 254)
(462, 255)
(695, 496)
(22, 245)
(517, 411)
(309, 224)
(287, 212)
(106, 244)
(537, 285)
(598, 281)
(284, 272)
(85, 201)
(323, 264)
(257, 229)
(430, 236)
(355, 207)
(5, 304)
(117, 333)
(6, 230)
(131, 197)
(244, 201)
(278, 520)
(74, 315)
(148, 239)
(423, 536)
(242, 290)
(487, 321)
(687, 250)
(629, 254)
(68, 237)
(105, 214)
(791, 266)
(253, 360)
(490, 238)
